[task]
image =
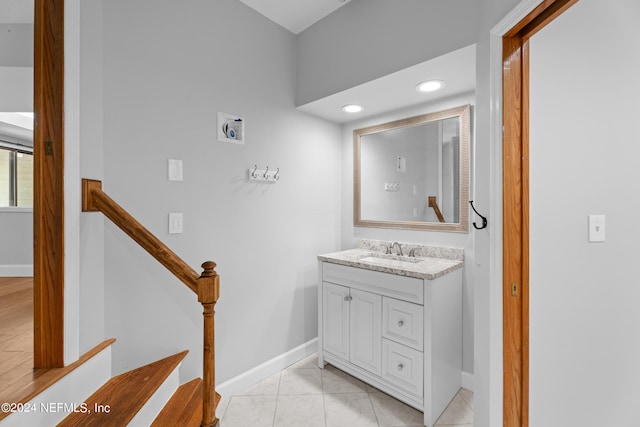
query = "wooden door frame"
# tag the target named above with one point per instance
(48, 203)
(515, 172)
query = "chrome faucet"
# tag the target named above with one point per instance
(399, 247)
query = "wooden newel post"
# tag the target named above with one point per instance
(208, 293)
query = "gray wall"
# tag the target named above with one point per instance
(367, 39)
(16, 45)
(16, 94)
(91, 263)
(378, 158)
(584, 296)
(16, 240)
(487, 199)
(163, 87)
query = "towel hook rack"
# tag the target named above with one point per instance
(484, 220)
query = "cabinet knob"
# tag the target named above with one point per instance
(348, 298)
(400, 323)
(400, 367)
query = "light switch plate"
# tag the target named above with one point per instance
(597, 228)
(175, 222)
(175, 170)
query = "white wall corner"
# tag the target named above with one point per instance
(467, 381)
(72, 192)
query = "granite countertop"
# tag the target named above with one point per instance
(423, 266)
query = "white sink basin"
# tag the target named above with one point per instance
(386, 259)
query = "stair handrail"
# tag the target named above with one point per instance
(206, 285)
(434, 204)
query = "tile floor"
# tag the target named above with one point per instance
(303, 395)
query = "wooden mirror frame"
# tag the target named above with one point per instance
(464, 113)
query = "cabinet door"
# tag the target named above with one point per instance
(365, 329)
(335, 319)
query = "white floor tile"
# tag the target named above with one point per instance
(458, 412)
(336, 381)
(250, 411)
(303, 395)
(300, 381)
(467, 395)
(297, 411)
(349, 410)
(309, 362)
(266, 387)
(393, 413)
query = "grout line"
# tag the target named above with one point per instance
(324, 405)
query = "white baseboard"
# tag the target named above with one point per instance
(253, 376)
(467, 380)
(16, 270)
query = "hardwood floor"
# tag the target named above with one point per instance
(16, 335)
(16, 326)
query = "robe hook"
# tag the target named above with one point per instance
(484, 220)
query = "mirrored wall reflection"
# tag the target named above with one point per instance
(413, 173)
(402, 168)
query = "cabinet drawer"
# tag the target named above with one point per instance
(386, 284)
(403, 322)
(402, 366)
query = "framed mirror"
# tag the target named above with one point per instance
(414, 173)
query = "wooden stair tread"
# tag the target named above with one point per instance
(124, 394)
(23, 387)
(184, 408)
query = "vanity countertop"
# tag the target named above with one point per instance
(421, 267)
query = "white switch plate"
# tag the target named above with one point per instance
(597, 228)
(175, 170)
(175, 222)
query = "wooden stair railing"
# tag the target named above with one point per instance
(206, 285)
(434, 204)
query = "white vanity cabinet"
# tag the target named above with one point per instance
(402, 335)
(352, 325)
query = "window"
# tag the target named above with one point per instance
(16, 178)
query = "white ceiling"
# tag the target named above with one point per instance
(398, 90)
(295, 15)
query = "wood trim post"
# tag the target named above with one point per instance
(208, 294)
(515, 85)
(515, 390)
(48, 174)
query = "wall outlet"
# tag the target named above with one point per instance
(597, 228)
(175, 170)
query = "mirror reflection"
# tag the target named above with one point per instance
(413, 173)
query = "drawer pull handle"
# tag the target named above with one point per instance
(400, 367)
(348, 298)
(400, 323)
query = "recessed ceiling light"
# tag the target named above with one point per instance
(352, 108)
(430, 86)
